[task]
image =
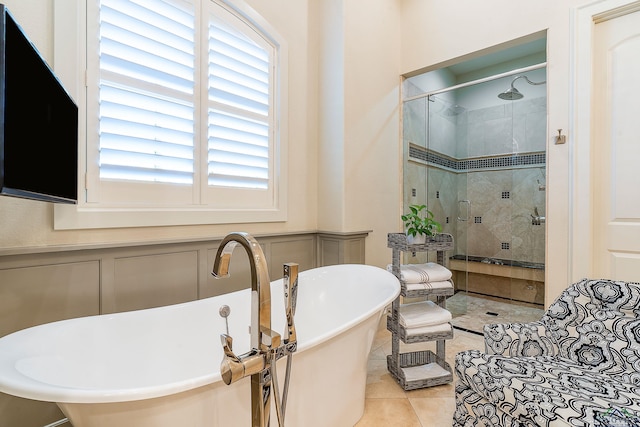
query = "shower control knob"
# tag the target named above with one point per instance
(224, 311)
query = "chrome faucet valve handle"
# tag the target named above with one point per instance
(290, 284)
(231, 367)
(234, 368)
(227, 346)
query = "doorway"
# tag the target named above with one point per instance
(475, 154)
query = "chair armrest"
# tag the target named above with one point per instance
(519, 339)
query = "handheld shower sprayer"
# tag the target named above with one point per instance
(290, 340)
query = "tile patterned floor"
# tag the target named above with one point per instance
(388, 405)
(472, 311)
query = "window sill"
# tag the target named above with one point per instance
(74, 217)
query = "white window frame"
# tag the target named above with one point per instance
(70, 59)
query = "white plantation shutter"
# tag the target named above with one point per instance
(185, 108)
(146, 95)
(238, 109)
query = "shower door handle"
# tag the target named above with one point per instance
(467, 205)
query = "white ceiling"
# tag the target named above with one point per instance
(506, 55)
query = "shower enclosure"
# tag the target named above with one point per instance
(475, 154)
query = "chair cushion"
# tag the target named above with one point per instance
(549, 390)
(595, 323)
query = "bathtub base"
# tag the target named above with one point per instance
(327, 389)
(191, 408)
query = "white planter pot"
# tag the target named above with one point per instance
(419, 239)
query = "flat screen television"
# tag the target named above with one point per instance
(38, 123)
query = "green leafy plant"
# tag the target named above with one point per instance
(419, 222)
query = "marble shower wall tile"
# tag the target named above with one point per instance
(414, 132)
(499, 221)
(442, 126)
(504, 129)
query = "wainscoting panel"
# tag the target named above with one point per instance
(33, 295)
(341, 248)
(152, 281)
(330, 251)
(299, 250)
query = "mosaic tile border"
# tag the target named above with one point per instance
(490, 162)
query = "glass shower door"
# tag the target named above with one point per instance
(500, 163)
(478, 163)
(446, 187)
(448, 192)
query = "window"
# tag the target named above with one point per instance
(183, 107)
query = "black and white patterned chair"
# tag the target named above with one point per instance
(579, 365)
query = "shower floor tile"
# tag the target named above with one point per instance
(472, 311)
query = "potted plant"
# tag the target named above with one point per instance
(420, 224)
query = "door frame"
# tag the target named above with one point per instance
(581, 110)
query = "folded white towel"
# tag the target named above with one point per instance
(425, 313)
(445, 284)
(420, 372)
(421, 273)
(439, 329)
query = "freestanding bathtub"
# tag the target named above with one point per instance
(161, 367)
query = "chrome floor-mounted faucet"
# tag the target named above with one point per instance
(266, 348)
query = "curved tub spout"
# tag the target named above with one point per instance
(256, 362)
(260, 283)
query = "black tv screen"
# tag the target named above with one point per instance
(38, 123)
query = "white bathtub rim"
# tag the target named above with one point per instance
(16, 383)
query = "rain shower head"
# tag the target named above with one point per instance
(512, 94)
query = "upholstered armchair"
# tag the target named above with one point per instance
(579, 365)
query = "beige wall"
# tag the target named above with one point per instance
(373, 173)
(466, 26)
(359, 156)
(25, 223)
(340, 93)
(345, 58)
(329, 21)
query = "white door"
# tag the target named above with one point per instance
(616, 148)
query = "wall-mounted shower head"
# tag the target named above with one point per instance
(512, 94)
